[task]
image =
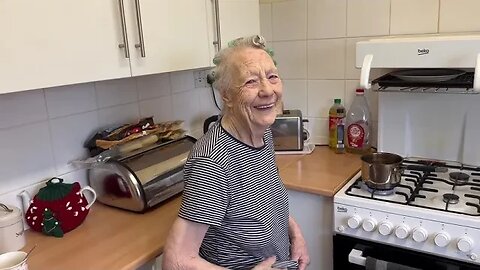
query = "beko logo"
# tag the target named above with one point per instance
(341, 209)
(423, 51)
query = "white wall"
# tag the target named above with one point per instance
(314, 44)
(42, 130)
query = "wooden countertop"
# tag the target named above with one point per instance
(110, 238)
(322, 172)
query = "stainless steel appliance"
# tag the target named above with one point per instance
(288, 132)
(431, 218)
(141, 179)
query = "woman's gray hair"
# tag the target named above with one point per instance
(220, 75)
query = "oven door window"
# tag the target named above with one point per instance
(352, 253)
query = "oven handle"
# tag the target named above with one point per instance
(356, 257)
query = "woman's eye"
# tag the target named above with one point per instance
(251, 82)
(273, 78)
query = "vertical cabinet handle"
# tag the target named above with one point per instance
(140, 45)
(218, 42)
(123, 45)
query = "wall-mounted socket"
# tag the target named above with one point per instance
(200, 78)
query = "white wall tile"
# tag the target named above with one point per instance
(318, 128)
(26, 156)
(459, 15)
(326, 59)
(207, 105)
(289, 20)
(266, 21)
(321, 94)
(368, 18)
(414, 17)
(22, 108)
(182, 81)
(291, 58)
(327, 18)
(116, 92)
(295, 95)
(70, 99)
(186, 107)
(117, 115)
(160, 108)
(68, 136)
(153, 86)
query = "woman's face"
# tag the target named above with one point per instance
(255, 90)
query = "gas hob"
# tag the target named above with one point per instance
(433, 212)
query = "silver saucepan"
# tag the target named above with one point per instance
(383, 170)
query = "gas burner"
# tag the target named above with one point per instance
(450, 198)
(459, 177)
(380, 192)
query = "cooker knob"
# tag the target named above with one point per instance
(465, 244)
(402, 231)
(354, 222)
(385, 228)
(442, 239)
(369, 224)
(419, 234)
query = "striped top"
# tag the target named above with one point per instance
(236, 189)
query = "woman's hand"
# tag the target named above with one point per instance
(267, 264)
(299, 252)
(298, 248)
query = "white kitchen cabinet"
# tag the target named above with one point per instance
(235, 18)
(314, 215)
(238, 18)
(175, 35)
(57, 42)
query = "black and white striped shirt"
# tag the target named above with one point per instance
(236, 189)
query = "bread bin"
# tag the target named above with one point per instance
(141, 179)
(11, 229)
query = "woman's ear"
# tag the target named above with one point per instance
(227, 98)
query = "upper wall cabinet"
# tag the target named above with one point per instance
(232, 19)
(57, 42)
(167, 35)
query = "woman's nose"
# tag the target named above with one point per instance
(266, 88)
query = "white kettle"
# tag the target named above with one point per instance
(12, 236)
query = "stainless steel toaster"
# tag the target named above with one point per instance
(288, 132)
(141, 179)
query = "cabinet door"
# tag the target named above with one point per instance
(238, 18)
(175, 35)
(57, 42)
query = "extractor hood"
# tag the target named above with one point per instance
(421, 52)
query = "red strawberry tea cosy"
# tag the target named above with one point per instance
(58, 207)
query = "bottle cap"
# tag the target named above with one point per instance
(337, 100)
(360, 91)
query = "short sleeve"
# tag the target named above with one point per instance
(206, 192)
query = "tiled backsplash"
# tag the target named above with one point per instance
(42, 130)
(314, 43)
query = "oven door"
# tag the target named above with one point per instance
(353, 253)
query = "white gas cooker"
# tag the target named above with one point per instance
(436, 213)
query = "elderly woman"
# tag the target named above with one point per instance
(234, 212)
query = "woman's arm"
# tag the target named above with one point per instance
(182, 246)
(299, 251)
